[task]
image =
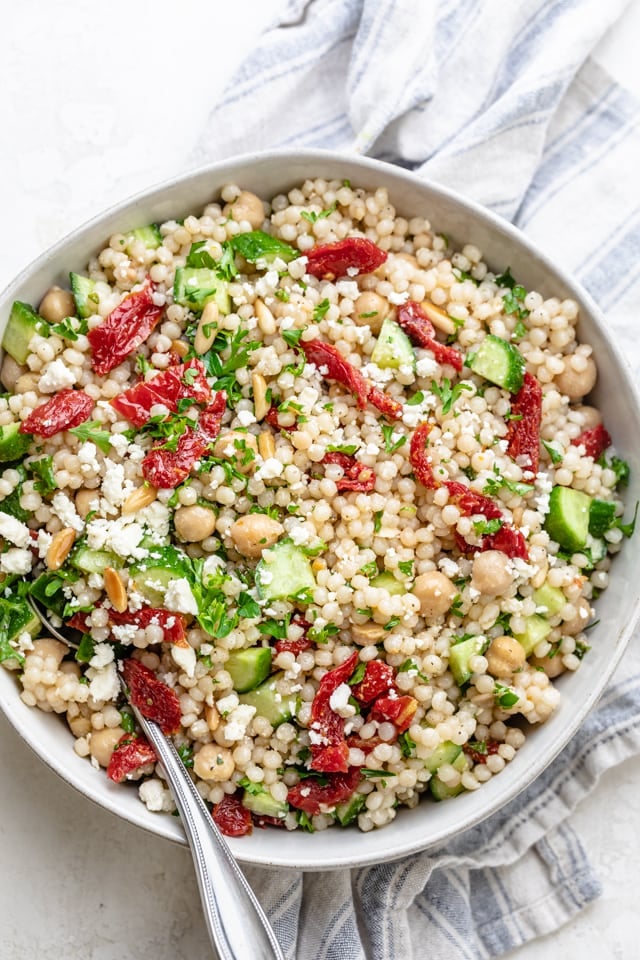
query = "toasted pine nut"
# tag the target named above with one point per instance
(260, 403)
(181, 347)
(60, 547)
(140, 498)
(266, 320)
(115, 589)
(439, 318)
(539, 578)
(266, 445)
(318, 565)
(207, 328)
(212, 717)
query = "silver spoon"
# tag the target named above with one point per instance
(237, 925)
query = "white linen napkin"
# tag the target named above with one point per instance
(502, 102)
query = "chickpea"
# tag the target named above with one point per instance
(194, 523)
(239, 447)
(10, 372)
(552, 666)
(212, 762)
(254, 533)
(80, 726)
(103, 743)
(492, 572)
(27, 382)
(580, 620)
(505, 656)
(86, 501)
(591, 417)
(246, 207)
(366, 633)
(56, 305)
(435, 592)
(367, 303)
(576, 384)
(48, 647)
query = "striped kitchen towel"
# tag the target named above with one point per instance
(502, 102)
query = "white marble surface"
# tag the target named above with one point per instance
(98, 102)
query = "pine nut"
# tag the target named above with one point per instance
(212, 717)
(439, 318)
(207, 328)
(60, 547)
(140, 498)
(266, 445)
(260, 402)
(115, 589)
(180, 347)
(266, 320)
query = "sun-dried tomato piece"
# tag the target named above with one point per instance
(65, 410)
(153, 698)
(477, 756)
(595, 441)
(271, 417)
(357, 476)
(399, 711)
(172, 624)
(359, 743)
(351, 256)
(231, 818)
(419, 458)
(186, 381)
(169, 468)
(332, 753)
(469, 502)
(507, 540)
(262, 822)
(332, 365)
(523, 435)
(379, 677)
(293, 646)
(391, 407)
(418, 327)
(311, 796)
(131, 752)
(122, 332)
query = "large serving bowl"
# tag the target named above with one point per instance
(617, 609)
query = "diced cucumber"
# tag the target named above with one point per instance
(149, 235)
(13, 444)
(23, 322)
(552, 599)
(248, 668)
(152, 576)
(601, 516)
(284, 573)
(440, 790)
(194, 287)
(347, 812)
(498, 361)
(11, 504)
(597, 550)
(447, 752)
(258, 245)
(83, 290)
(264, 805)
(269, 703)
(393, 348)
(568, 519)
(536, 629)
(93, 561)
(461, 653)
(388, 582)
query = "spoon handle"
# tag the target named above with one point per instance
(237, 925)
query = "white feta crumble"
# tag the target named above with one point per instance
(65, 510)
(155, 796)
(426, 367)
(398, 298)
(16, 560)
(124, 540)
(238, 721)
(102, 655)
(270, 469)
(300, 534)
(103, 682)
(245, 418)
(87, 455)
(119, 443)
(125, 632)
(14, 531)
(226, 704)
(449, 567)
(339, 701)
(115, 489)
(473, 593)
(185, 658)
(266, 577)
(179, 597)
(44, 542)
(348, 288)
(25, 642)
(156, 519)
(56, 376)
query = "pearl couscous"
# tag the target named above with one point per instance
(325, 482)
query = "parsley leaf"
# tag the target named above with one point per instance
(513, 300)
(230, 352)
(347, 448)
(258, 245)
(199, 256)
(292, 337)
(70, 328)
(312, 217)
(377, 521)
(320, 310)
(391, 445)
(417, 398)
(494, 484)
(487, 526)
(407, 745)
(555, 455)
(406, 567)
(620, 468)
(505, 696)
(448, 394)
(252, 788)
(185, 752)
(247, 606)
(93, 432)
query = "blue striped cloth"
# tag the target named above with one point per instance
(463, 92)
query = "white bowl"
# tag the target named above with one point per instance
(617, 609)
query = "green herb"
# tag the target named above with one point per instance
(247, 607)
(312, 217)
(519, 331)
(485, 526)
(513, 300)
(494, 484)
(277, 629)
(393, 622)
(417, 398)
(628, 528)
(580, 649)
(407, 745)
(369, 569)
(406, 567)
(478, 746)
(230, 352)
(391, 445)
(322, 634)
(86, 648)
(371, 774)
(304, 821)
(142, 365)
(456, 606)
(620, 468)
(504, 622)
(555, 455)
(448, 394)
(185, 752)
(93, 432)
(377, 521)
(282, 294)
(364, 611)
(199, 256)
(253, 788)
(590, 626)
(320, 310)
(367, 316)
(347, 448)
(226, 265)
(513, 416)
(258, 245)
(7, 651)
(70, 328)
(358, 675)
(505, 696)
(410, 666)
(292, 337)
(127, 720)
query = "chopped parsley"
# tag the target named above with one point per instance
(494, 484)
(320, 310)
(93, 432)
(417, 398)
(555, 455)
(407, 744)
(247, 606)
(448, 394)
(406, 567)
(70, 328)
(322, 634)
(391, 444)
(513, 299)
(185, 752)
(252, 788)
(485, 526)
(230, 352)
(347, 448)
(377, 521)
(357, 675)
(620, 468)
(292, 337)
(127, 720)
(505, 697)
(312, 217)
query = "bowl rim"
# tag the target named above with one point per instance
(168, 827)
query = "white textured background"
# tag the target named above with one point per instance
(97, 102)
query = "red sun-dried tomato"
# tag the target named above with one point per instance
(416, 324)
(379, 677)
(122, 332)
(332, 365)
(419, 458)
(262, 822)
(477, 756)
(131, 752)
(300, 644)
(357, 476)
(153, 698)
(168, 468)
(172, 624)
(523, 437)
(351, 256)
(185, 381)
(231, 818)
(391, 407)
(399, 711)
(271, 417)
(595, 441)
(359, 743)
(507, 540)
(311, 796)
(332, 754)
(469, 502)
(65, 410)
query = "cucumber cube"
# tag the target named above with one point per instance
(551, 598)
(13, 444)
(499, 361)
(264, 805)
(536, 630)
(248, 668)
(269, 703)
(389, 583)
(568, 519)
(284, 573)
(393, 349)
(461, 653)
(22, 324)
